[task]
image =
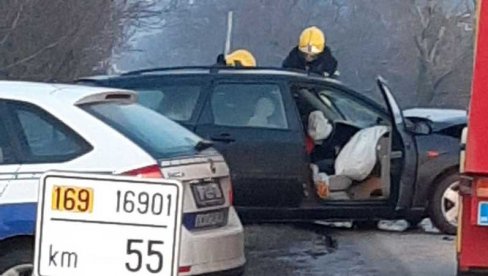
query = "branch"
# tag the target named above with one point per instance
(426, 22)
(339, 7)
(448, 73)
(67, 58)
(442, 78)
(13, 25)
(421, 46)
(457, 7)
(423, 20)
(36, 53)
(433, 51)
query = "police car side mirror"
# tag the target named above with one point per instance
(1, 156)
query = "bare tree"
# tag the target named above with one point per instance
(443, 43)
(425, 54)
(59, 40)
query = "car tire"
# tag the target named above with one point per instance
(444, 204)
(16, 259)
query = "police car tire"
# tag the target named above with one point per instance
(435, 206)
(16, 254)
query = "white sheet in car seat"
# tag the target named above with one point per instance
(319, 127)
(358, 157)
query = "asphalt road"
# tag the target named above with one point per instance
(279, 249)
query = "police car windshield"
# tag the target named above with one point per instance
(156, 134)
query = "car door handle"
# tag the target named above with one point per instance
(396, 154)
(224, 137)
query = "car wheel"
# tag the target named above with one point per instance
(444, 204)
(17, 260)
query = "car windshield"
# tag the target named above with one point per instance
(156, 134)
(352, 109)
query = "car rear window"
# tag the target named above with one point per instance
(175, 101)
(156, 134)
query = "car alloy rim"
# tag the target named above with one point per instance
(450, 203)
(19, 270)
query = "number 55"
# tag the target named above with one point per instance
(150, 252)
(158, 254)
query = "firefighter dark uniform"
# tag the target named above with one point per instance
(311, 54)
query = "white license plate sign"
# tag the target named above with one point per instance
(106, 225)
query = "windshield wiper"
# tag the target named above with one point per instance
(203, 145)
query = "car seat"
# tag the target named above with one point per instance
(264, 109)
(356, 161)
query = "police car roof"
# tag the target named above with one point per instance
(36, 91)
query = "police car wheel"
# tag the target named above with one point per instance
(16, 260)
(444, 204)
(19, 270)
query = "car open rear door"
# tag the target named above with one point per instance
(251, 125)
(404, 152)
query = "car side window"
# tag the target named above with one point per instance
(249, 105)
(43, 138)
(6, 150)
(176, 102)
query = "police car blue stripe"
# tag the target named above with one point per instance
(17, 219)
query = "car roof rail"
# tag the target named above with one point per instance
(212, 69)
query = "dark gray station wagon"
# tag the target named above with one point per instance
(258, 119)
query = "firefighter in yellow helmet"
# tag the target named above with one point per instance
(238, 58)
(312, 54)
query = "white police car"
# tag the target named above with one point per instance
(99, 130)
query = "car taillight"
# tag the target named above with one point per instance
(184, 269)
(146, 172)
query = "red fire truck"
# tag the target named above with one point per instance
(472, 239)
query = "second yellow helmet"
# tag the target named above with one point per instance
(240, 57)
(312, 41)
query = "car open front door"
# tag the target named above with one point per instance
(404, 152)
(251, 125)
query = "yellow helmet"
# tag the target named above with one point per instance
(240, 57)
(312, 41)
